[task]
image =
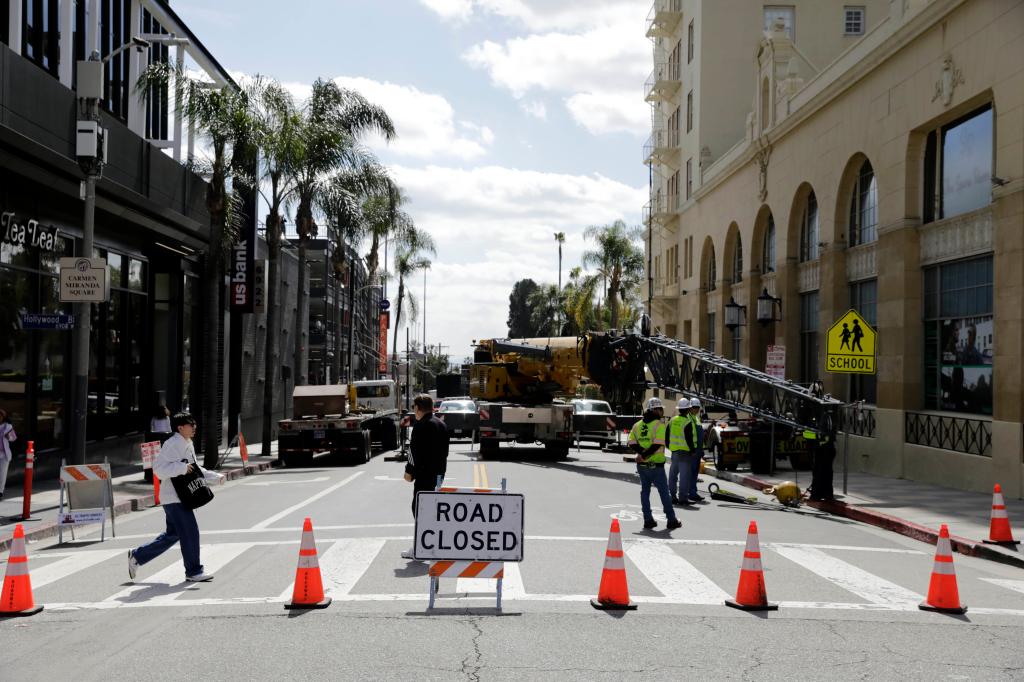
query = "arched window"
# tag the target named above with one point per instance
(768, 250)
(737, 260)
(809, 230)
(712, 272)
(864, 207)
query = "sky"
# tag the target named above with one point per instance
(516, 119)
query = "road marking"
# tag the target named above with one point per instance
(1015, 585)
(79, 561)
(169, 584)
(309, 500)
(232, 531)
(344, 563)
(875, 589)
(318, 479)
(674, 576)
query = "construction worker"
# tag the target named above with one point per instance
(824, 452)
(698, 450)
(647, 440)
(682, 438)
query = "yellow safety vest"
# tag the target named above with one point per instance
(676, 433)
(646, 434)
(697, 428)
(811, 435)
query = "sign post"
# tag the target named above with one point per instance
(775, 364)
(851, 348)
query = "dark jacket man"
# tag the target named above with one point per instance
(428, 447)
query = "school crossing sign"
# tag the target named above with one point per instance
(850, 346)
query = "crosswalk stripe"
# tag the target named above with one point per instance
(875, 589)
(51, 573)
(674, 576)
(309, 500)
(343, 564)
(169, 583)
(1015, 585)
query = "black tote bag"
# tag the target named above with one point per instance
(192, 488)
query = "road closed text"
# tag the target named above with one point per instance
(477, 526)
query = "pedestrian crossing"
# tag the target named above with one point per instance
(556, 569)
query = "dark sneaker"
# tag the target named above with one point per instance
(650, 524)
(199, 578)
(696, 498)
(133, 565)
(672, 525)
(675, 500)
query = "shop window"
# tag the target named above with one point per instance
(189, 300)
(958, 166)
(737, 260)
(809, 230)
(809, 351)
(959, 336)
(15, 294)
(864, 299)
(768, 248)
(864, 207)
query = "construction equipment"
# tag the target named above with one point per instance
(719, 493)
(787, 493)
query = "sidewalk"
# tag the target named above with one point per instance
(907, 507)
(131, 493)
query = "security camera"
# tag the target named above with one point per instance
(140, 43)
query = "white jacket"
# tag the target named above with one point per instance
(175, 456)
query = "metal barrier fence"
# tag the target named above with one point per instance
(857, 420)
(960, 434)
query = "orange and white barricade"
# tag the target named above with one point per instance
(86, 496)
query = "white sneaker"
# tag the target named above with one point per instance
(201, 578)
(133, 565)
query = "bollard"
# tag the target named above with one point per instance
(156, 490)
(30, 460)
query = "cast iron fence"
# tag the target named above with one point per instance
(960, 434)
(857, 420)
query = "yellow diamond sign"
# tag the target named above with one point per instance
(850, 345)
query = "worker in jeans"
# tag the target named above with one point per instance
(682, 442)
(698, 451)
(647, 440)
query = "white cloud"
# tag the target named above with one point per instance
(451, 10)
(535, 108)
(496, 225)
(545, 15)
(610, 112)
(425, 122)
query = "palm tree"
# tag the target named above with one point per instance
(617, 259)
(224, 117)
(578, 298)
(560, 238)
(332, 122)
(385, 220)
(410, 258)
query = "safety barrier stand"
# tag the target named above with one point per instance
(90, 496)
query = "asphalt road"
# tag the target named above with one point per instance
(848, 592)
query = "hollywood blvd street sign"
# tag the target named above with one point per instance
(55, 321)
(84, 280)
(851, 345)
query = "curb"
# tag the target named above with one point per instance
(137, 503)
(916, 531)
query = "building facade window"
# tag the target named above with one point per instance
(864, 299)
(768, 248)
(711, 333)
(712, 273)
(958, 166)
(853, 20)
(864, 207)
(689, 111)
(689, 42)
(689, 177)
(959, 336)
(737, 260)
(786, 14)
(809, 370)
(809, 230)
(737, 342)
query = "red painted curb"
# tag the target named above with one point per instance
(888, 522)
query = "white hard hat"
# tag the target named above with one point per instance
(683, 404)
(653, 404)
(694, 403)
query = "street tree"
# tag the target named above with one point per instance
(545, 304)
(519, 323)
(617, 258)
(410, 257)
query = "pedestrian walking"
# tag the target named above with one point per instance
(681, 443)
(160, 425)
(698, 432)
(177, 457)
(7, 436)
(647, 440)
(428, 452)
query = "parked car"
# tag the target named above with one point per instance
(460, 416)
(594, 421)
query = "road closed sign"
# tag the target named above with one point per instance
(469, 526)
(850, 345)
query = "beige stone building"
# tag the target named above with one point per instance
(870, 156)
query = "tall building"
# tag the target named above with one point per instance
(822, 156)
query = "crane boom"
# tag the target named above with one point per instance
(619, 362)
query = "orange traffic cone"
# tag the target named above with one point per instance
(943, 595)
(16, 598)
(750, 593)
(613, 594)
(309, 587)
(999, 532)
(242, 449)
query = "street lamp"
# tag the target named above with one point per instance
(769, 308)
(735, 314)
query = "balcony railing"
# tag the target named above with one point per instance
(663, 205)
(663, 82)
(661, 147)
(663, 18)
(857, 420)
(959, 434)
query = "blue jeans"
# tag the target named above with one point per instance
(680, 475)
(695, 471)
(654, 476)
(181, 527)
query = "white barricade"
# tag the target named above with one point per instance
(86, 496)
